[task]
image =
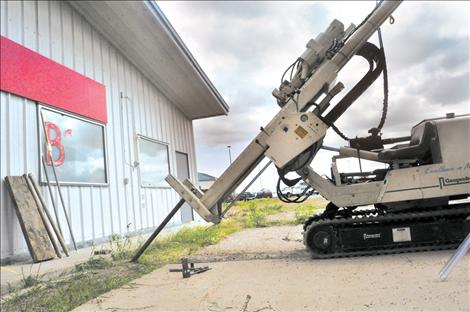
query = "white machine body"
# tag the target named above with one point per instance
(448, 176)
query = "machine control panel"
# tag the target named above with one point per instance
(293, 135)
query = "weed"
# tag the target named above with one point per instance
(121, 247)
(272, 209)
(256, 216)
(96, 263)
(302, 213)
(30, 280)
(256, 213)
(272, 204)
(76, 288)
(187, 240)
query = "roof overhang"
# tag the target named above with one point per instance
(140, 30)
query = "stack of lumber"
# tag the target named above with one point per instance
(40, 231)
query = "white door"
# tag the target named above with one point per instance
(182, 173)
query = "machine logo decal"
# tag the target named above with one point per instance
(368, 236)
(442, 169)
(450, 182)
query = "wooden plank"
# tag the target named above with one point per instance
(33, 228)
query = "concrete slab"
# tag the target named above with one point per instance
(13, 274)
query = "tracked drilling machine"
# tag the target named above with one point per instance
(412, 197)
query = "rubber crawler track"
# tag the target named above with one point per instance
(371, 216)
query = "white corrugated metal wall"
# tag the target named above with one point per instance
(56, 31)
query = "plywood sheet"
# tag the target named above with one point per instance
(33, 228)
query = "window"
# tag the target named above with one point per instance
(78, 148)
(153, 162)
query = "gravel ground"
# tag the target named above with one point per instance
(268, 269)
(281, 242)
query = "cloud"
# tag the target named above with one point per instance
(250, 108)
(245, 46)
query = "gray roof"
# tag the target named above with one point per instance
(202, 177)
(142, 33)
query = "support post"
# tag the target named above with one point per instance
(158, 230)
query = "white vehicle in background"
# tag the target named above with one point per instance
(297, 190)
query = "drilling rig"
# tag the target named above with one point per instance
(415, 202)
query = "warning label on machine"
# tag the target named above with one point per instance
(401, 235)
(301, 132)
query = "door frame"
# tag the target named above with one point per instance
(189, 177)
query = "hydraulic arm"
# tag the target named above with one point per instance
(294, 126)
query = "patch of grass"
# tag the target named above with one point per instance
(256, 216)
(121, 247)
(94, 263)
(100, 274)
(302, 213)
(30, 281)
(257, 213)
(188, 240)
(273, 209)
(281, 222)
(75, 288)
(273, 204)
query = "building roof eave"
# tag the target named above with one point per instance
(140, 30)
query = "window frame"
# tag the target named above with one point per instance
(41, 175)
(149, 139)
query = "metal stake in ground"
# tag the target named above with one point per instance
(49, 151)
(158, 230)
(188, 268)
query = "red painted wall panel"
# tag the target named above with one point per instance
(33, 76)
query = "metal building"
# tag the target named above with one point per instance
(205, 181)
(119, 90)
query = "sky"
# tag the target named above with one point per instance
(244, 47)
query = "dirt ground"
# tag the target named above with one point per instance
(267, 269)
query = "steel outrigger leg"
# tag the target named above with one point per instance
(456, 257)
(158, 230)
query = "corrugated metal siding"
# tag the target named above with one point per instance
(55, 30)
